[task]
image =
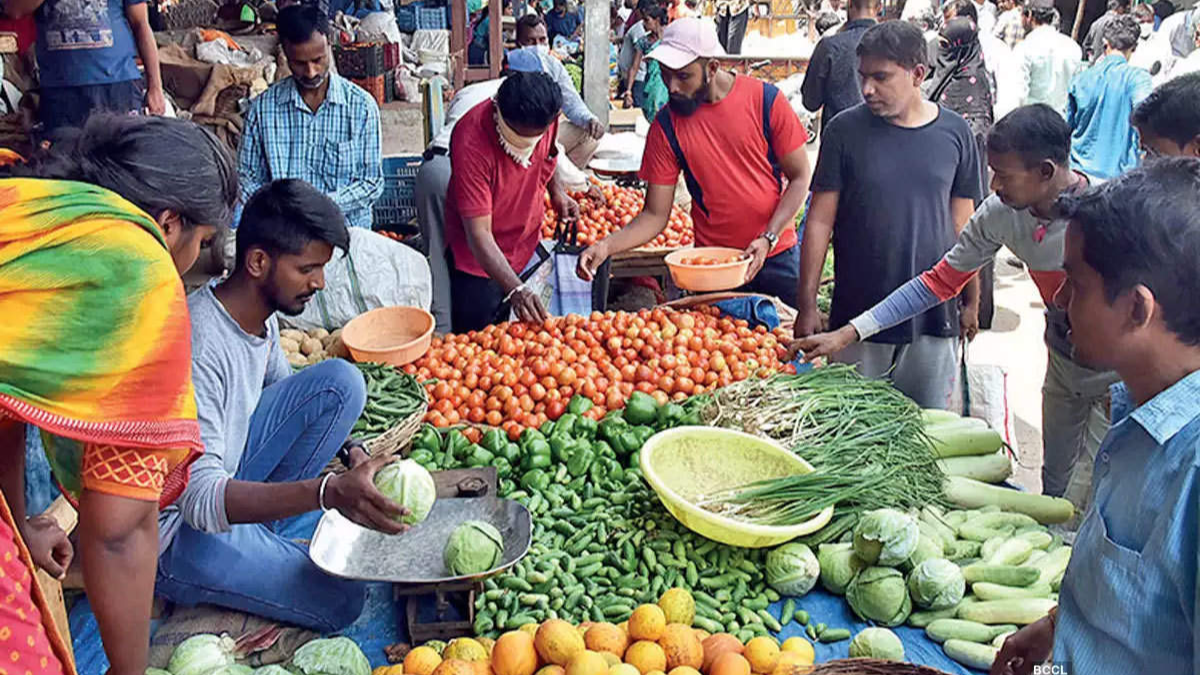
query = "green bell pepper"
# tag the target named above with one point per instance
(602, 449)
(528, 436)
(512, 452)
(494, 440)
(670, 415)
(581, 460)
(579, 404)
(565, 426)
(503, 467)
(478, 456)
(641, 409)
(586, 427)
(627, 442)
(457, 444)
(421, 456)
(691, 419)
(427, 439)
(643, 434)
(538, 455)
(535, 479)
(561, 447)
(611, 427)
(547, 428)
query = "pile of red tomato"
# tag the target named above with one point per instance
(597, 221)
(518, 375)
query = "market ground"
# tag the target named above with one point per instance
(1014, 343)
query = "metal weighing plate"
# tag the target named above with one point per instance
(615, 165)
(347, 550)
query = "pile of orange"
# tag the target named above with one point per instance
(517, 375)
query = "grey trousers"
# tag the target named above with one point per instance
(432, 180)
(1075, 419)
(926, 370)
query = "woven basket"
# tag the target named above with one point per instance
(872, 667)
(397, 439)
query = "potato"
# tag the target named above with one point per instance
(318, 333)
(316, 357)
(297, 361)
(289, 345)
(310, 346)
(293, 334)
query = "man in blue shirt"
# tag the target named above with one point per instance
(563, 22)
(1103, 142)
(86, 54)
(314, 125)
(1128, 602)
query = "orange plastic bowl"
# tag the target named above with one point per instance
(719, 277)
(392, 335)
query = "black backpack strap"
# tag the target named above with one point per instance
(664, 120)
(770, 91)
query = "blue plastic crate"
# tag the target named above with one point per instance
(432, 18)
(406, 17)
(398, 205)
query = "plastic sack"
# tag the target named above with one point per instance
(379, 27)
(983, 394)
(377, 272)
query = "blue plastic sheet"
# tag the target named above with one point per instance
(832, 610)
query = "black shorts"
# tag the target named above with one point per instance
(70, 106)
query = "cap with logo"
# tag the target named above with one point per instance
(684, 41)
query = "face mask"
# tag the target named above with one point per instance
(543, 49)
(519, 148)
(1147, 29)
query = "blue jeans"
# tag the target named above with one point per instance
(297, 428)
(779, 276)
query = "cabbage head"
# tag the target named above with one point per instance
(879, 594)
(273, 669)
(410, 485)
(792, 569)
(928, 548)
(474, 547)
(202, 654)
(335, 656)
(885, 537)
(937, 584)
(839, 566)
(233, 669)
(877, 643)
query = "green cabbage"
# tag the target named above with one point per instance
(335, 656)
(927, 549)
(273, 669)
(885, 537)
(232, 669)
(839, 565)
(877, 643)
(937, 584)
(474, 547)
(201, 654)
(410, 485)
(792, 569)
(879, 594)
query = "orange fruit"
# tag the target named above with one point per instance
(647, 623)
(558, 642)
(717, 645)
(763, 655)
(422, 661)
(514, 654)
(455, 667)
(646, 656)
(792, 663)
(605, 637)
(799, 645)
(730, 663)
(551, 670)
(623, 669)
(682, 647)
(587, 662)
(678, 606)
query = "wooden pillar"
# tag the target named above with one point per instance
(595, 58)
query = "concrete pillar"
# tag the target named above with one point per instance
(595, 57)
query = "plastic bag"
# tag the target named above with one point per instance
(377, 272)
(983, 394)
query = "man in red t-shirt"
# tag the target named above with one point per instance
(738, 140)
(502, 158)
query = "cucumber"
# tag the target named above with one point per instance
(963, 549)
(1020, 612)
(964, 437)
(985, 590)
(970, 654)
(934, 416)
(1052, 565)
(1006, 575)
(973, 494)
(1011, 552)
(924, 618)
(991, 468)
(988, 525)
(959, 629)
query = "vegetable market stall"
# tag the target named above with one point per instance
(604, 550)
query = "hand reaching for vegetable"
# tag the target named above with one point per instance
(591, 260)
(48, 545)
(528, 307)
(354, 494)
(1025, 649)
(807, 323)
(823, 344)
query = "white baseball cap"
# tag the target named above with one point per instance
(684, 41)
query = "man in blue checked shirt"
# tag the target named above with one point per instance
(1128, 602)
(314, 125)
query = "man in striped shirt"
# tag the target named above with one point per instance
(1028, 153)
(314, 125)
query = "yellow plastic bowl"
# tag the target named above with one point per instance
(685, 463)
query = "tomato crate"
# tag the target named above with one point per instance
(360, 61)
(398, 205)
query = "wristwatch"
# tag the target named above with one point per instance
(771, 238)
(343, 452)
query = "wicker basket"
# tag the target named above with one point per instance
(397, 439)
(872, 667)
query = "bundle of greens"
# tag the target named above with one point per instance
(865, 439)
